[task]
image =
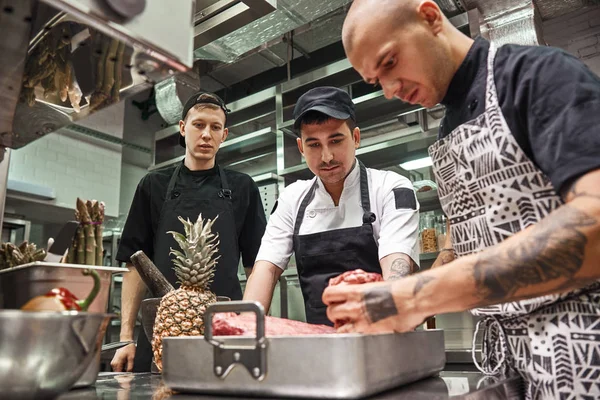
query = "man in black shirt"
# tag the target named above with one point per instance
(518, 170)
(195, 186)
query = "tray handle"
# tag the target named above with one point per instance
(226, 351)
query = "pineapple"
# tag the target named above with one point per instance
(181, 311)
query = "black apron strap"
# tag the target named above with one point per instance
(368, 216)
(225, 192)
(364, 188)
(305, 202)
(172, 181)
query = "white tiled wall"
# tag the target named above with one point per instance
(74, 168)
(578, 33)
(109, 120)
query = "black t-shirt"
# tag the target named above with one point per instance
(142, 221)
(550, 100)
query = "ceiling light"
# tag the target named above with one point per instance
(417, 164)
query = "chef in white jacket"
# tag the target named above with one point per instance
(346, 217)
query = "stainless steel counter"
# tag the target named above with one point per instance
(454, 385)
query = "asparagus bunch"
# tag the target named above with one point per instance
(11, 255)
(87, 244)
(107, 70)
(50, 68)
(97, 211)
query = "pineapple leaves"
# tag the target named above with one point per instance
(177, 254)
(195, 264)
(179, 238)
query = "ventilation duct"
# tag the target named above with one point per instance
(507, 21)
(555, 8)
(217, 18)
(290, 14)
(521, 25)
(172, 93)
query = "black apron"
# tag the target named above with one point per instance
(325, 255)
(188, 203)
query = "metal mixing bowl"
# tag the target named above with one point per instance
(42, 354)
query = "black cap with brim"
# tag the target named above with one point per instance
(328, 100)
(198, 98)
(330, 112)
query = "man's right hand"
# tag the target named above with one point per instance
(123, 359)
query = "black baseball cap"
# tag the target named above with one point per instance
(328, 100)
(202, 98)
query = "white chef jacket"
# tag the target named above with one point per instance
(395, 230)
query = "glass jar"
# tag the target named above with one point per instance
(441, 232)
(429, 234)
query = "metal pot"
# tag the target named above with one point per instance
(19, 284)
(45, 353)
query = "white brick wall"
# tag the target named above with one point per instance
(578, 33)
(74, 168)
(109, 120)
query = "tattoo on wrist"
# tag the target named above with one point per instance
(379, 303)
(553, 249)
(422, 280)
(400, 268)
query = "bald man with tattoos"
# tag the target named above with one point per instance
(517, 164)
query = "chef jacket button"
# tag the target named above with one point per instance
(473, 105)
(311, 213)
(176, 194)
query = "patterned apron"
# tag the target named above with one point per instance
(490, 190)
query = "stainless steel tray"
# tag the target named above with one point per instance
(337, 366)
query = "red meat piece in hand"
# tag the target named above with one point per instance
(355, 277)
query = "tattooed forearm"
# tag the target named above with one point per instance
(553, 249)
(422, 280)
(400, 268)
(379, 303)
(573, 193)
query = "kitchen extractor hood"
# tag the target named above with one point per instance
(66, 59)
